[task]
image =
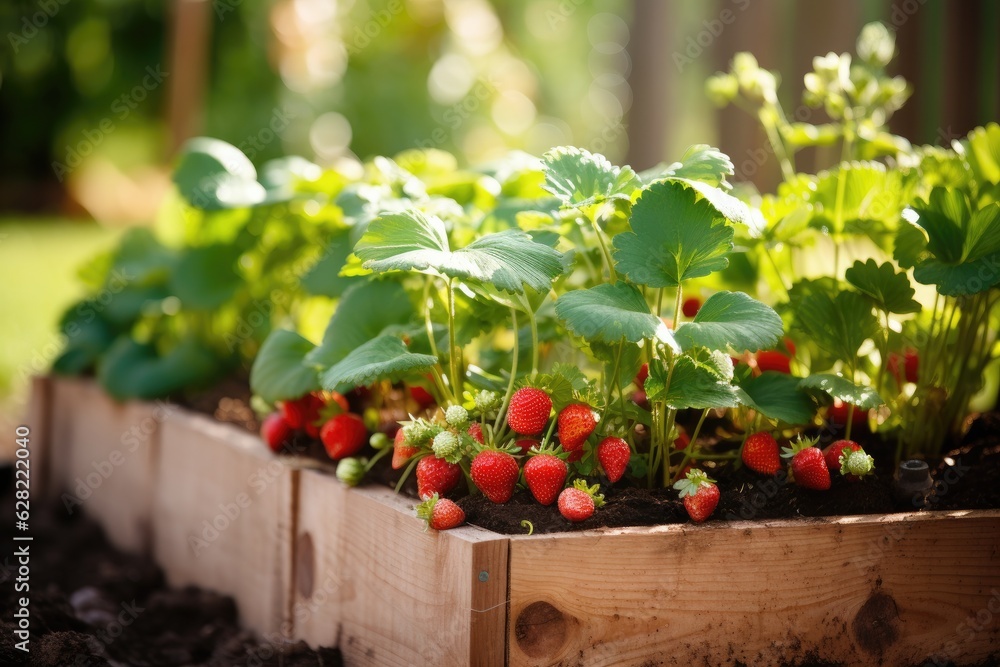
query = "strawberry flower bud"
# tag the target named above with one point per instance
(456, 416)
(487, 400)
(856, 463)
(446, 445)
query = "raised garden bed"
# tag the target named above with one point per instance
(306, 557)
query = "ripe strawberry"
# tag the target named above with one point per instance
(769, 360)
(700, 495)
(682, 440)
(275, 431)
(401, 452)
(476, 431)
(525, 444)
(436, 475)
(691, 306)
(614, 454)
(302, 410)
(911, 364)
(528, 412)
(440, 513)
(640, 399)
(831, 453)
(577, 503)
(344, 435)
(576, 422)
(421, 396)
(808, 465)
(837, 413)
(545, 476)
(495, 473)
(640, 377)
(760, 454)
(789, 346)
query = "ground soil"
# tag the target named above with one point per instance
(92, 606)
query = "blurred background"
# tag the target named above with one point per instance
(96, 96)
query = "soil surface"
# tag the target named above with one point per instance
(93, 606)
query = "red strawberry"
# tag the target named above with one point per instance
(529, 410)
(614, 454)
(440, 513)
(576, 422)
(789, 346)
(476, 431)
(691, 306)
(760, 454)
(302, 410)
(832, 453)
(577, 503)
(275, 431)
(640, 377)
(837, 413)
(770, 360)
(344, 435)
(911, 364)
(700, 495)
(421, 396)
(640, 399)
(545, 476)
(682, 440)
(436, 475)
(525, 444)
(320, 411)
(495, 473)
(808, 464)
(401, 452)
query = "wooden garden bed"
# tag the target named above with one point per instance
(306, 557)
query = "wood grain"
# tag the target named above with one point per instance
(102, 455)
(38, 419)
(223, 518)
(891, 590)
(410, 597)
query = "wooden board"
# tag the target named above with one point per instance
(398, 595)
(223, 518)
(101, 458)
(891, 590)
(38, 420)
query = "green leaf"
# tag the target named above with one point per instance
(580, 178)
(675, 236)
(890, 291)
(960, 279)
(700, 162)
(364, 312)
(610, 312)
(910, 245)
(840, 387)
(279, 372)
(383, 357)
(213, 175)
(944, 236)
(413, 241)
(982, 236)
(141, 258)
(982, 149)
(135, 370)
(693, 384)
(324, 278)
(727, 205)
(777, 396)
(205, 277)
(839, 324)
(88, 336)
(731, 320)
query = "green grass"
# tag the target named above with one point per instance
(39, 259)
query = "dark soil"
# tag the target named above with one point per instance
(93, 606)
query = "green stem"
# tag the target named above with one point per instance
(456, 380)
(677, 308)
(778, 146)
(659, 302)
(697, 429)
(513, 375)
(378, 456)
(604, 249)
(533, 323)
(777, 271)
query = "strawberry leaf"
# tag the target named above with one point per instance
(840, 387)
(837, 324)
(693, 384)
(982, 235)
(890, 291)
(414, 241)
(384, 357)
(205, 277)
(675, 236)
(324, 278)
(213, 175)
(610, 312)
(580, 178)
(731, 320)
(279, 372)
(777, 396)
(135, 370)
(700, 162)
(982, 149)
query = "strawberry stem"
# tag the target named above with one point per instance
(513, 375)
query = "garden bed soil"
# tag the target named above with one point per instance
(94, 606)
(970, 481)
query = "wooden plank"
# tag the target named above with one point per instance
(895, 589)
(223, 518)
(101, 458)
(413, 597)
(38, 420)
